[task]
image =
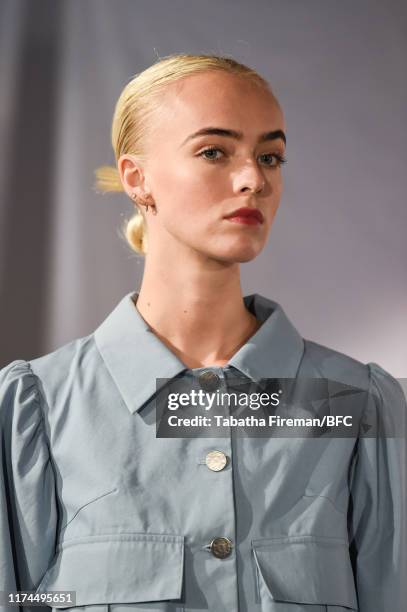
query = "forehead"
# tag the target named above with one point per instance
(221, 99)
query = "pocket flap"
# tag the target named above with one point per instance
(118, 568)
(306, 569)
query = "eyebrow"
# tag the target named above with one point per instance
(210, 131)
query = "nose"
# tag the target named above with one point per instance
(249, 178)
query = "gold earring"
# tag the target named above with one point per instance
(144, 203)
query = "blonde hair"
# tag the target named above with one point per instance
(137, 102)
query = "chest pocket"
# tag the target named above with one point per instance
(119, 572)
(304, 574)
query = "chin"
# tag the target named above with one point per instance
(238, 254)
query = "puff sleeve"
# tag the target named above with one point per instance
(28, 511)
(377, 517)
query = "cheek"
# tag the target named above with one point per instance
(277, 190)
(188, 186)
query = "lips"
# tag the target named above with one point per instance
(247, 213)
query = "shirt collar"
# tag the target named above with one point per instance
(136, 357)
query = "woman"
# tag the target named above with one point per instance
(93, 500)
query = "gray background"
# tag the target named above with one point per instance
(337, 255)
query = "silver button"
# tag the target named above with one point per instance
(216, 460)
(209, 380)
(221, 547)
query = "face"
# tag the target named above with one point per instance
(197, 181)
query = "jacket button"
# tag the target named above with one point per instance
(221, 547)
(216, 460)
(209, 380)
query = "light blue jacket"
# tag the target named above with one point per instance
(94, 502)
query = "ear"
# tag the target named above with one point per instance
(131, 175)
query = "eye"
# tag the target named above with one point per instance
(279, 159)
(210, 150)
(275, 159)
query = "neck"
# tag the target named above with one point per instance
(198, 313)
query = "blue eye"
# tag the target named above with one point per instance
(210, 150)
(279, 159)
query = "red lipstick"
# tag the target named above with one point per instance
(246, 215)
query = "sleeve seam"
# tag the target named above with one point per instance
(38, 398)
(369, 393)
